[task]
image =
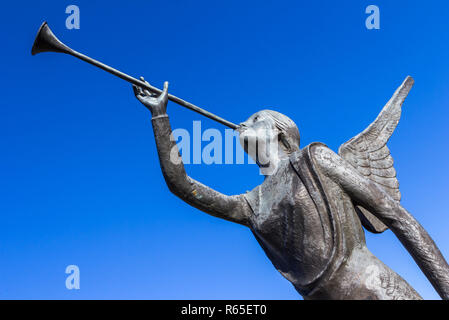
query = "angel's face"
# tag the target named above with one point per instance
(259, 138)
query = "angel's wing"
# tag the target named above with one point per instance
(369, 154)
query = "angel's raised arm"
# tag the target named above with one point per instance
(232, 208)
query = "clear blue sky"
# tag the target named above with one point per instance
(80, 181)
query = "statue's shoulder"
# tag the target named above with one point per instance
(316, 157)
(308, 152)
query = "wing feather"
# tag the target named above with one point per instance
(380, 154)
(383, 164)
(369, 154)
(384, 173)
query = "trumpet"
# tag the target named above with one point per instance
(46, 41)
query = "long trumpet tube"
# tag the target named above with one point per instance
(47, 41)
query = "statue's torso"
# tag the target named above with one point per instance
(308, 227)
(302, 239)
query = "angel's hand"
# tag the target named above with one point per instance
(156, 104)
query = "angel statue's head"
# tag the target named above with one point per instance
(268, 137)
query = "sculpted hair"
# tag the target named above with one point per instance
(289, 133)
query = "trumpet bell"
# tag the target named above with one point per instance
(46, 41)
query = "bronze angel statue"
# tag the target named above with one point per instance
(308, 214)
(309, 211)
